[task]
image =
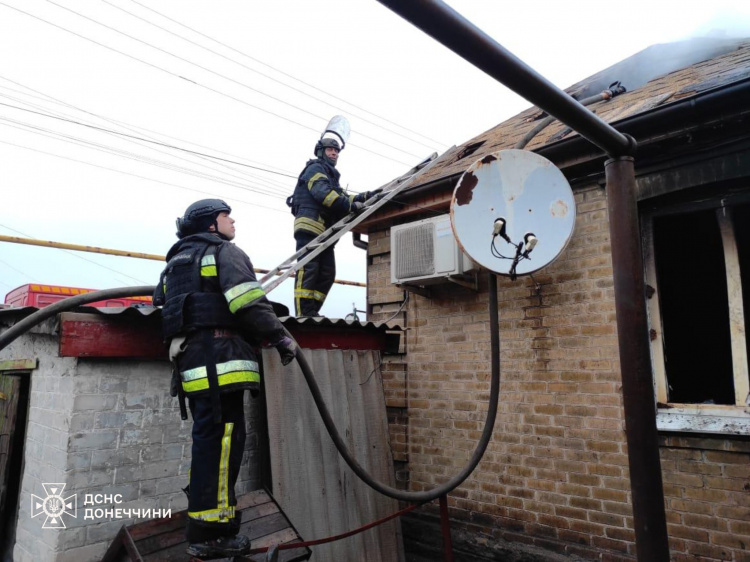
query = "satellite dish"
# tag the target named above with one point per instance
(513, 212)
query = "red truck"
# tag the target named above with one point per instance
(33, 294)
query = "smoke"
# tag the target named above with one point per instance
(655, 61)
(724, 32)
(725, 24)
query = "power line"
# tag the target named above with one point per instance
(82, 124)
(26, 275)
(132, 156)
(254, 204)
(206, 69)
(127, 126)
(192, 81)
(284, 73)
(299, 90)
(55, 134)
(81, 257)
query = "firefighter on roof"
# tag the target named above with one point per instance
(317, 203)
(212, 305)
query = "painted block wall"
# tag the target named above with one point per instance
(108, 428)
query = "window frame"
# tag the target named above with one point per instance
(699, 418)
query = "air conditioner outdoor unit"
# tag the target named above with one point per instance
(425, 253)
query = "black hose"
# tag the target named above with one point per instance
(66, 304)
(417, 497)
(489, 424)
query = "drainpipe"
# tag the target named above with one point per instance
(447, 26)
(635, 362)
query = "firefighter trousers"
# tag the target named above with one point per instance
(314, 280)
(216, 459)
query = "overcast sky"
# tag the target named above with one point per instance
(115, 115)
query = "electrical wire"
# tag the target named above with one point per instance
(285, 73)
(403, 304)
(206, 69)
(76, 255)
(125, 154)
(298, 90)
(133, 128)
(201, 160)
(251, 203)
(26, 275)
(102, 129)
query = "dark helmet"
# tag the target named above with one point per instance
(200, 216)
(322, 144)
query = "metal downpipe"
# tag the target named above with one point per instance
(649, 517)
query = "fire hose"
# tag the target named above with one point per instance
(415, 497)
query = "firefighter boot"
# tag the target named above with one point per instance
(223, 547)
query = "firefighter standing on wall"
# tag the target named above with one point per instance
(211, 302)
(317, 203)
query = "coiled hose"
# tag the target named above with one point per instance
(416, 497)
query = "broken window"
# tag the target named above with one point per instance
(696, 258)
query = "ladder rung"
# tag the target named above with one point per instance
(336, 231)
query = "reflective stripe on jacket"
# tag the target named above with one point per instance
(214, 288)
(319, 200)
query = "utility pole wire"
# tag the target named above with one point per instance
(202, 192)
(121, 253)
(220, 75)
(194, 82)
(143, 139)
(123, 124)
(239, 174)
(132, 156)
(285, 73)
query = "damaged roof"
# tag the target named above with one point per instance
(654, 77)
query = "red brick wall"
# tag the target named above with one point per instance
(556, 472)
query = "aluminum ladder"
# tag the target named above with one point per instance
(304, 255)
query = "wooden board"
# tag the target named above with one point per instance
(163, 539)
(10, 386)
(317, 490)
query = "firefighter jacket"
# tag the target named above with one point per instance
(210, 296)
(318, 200)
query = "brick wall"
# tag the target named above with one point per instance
(102, 427)
(707, 491)
(555, 474)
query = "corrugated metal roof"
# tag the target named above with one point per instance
(338, 323)
(23, 311)
(135, 311)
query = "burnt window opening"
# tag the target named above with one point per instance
(697, 256)
(469, 149)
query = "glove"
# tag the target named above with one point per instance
(357, 206)
(287, 349)
(374, 192)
